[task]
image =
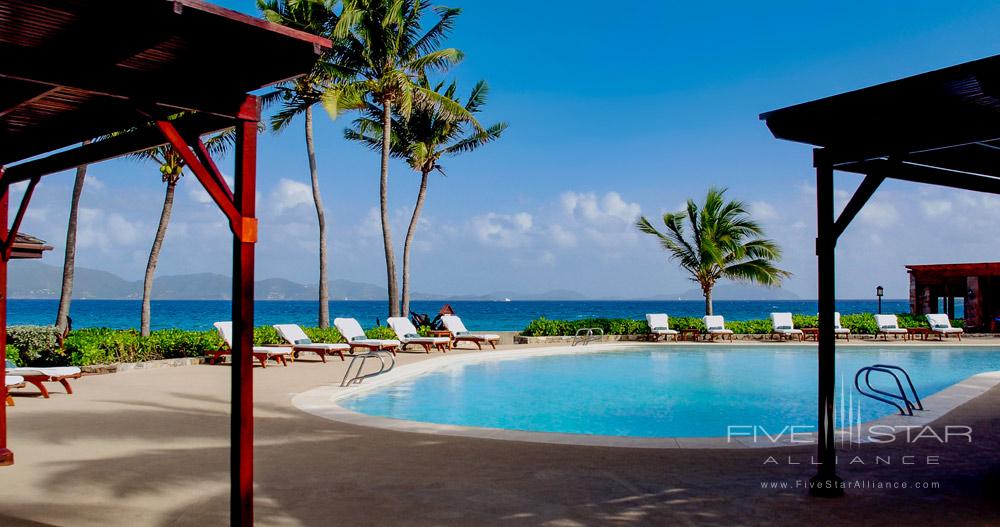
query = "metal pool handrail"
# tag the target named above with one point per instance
(890, 398)
(358, 377)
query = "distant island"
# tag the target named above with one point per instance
(35, 280)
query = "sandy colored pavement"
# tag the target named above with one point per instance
(150, 447)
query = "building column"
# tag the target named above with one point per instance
(826, 483)
(6, 456)
(974, 308)
(914, 308)
(244, 238)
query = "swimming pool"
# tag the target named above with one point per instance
(655, 391)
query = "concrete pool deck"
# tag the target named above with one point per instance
(150, 447)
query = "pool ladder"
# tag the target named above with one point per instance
(900, 400)
(359, 377)
(587, 335)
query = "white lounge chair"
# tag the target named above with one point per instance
(888, 325)
(458, 332)
(12, 381)
(356, 338)
(659, 325)
(301, 342)
(941, 326)
(38, 376)
(261, 353)
(407, 334)
(839, 330)
(715, 325)
(783, 327)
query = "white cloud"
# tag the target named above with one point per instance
(106, 231)
(289, 195)
(91, 182)
(763, 211)
(936, 208)
(561, 236)
(879, 214)
(503, 230)
(588, 207)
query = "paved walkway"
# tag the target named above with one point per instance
(151, 448)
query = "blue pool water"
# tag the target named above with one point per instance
(656, 392)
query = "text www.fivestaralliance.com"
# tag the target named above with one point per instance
(852, 484)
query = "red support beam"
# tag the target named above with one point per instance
(241, 454)
(6, 456)
(9, 237)
(205, 175)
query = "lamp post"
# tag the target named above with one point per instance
(878, 292)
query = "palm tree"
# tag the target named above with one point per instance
(384, 51)
(422, 140)
(724, 243)
(298, 98)
(171, 170)
(69, 261)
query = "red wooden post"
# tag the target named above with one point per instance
(244, 237)
(6, 456)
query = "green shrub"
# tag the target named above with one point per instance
(380, 332)
(14, 355)
(38, 345)
(264, 335)
(861, 323)
(327, 335)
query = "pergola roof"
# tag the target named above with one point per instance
(947, 119)
(73, 70)
(957, 270)
(27, 246)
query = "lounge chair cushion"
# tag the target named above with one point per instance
(457, 328)
(30, 371)
(13, 380)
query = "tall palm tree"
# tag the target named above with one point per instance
(298, 98)
(171, 170)
(69, 260)
(422, 140)
(724, 243)
(385, 50)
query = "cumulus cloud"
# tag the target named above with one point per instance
(503, 230)
(936, 208)
(106, 231)
(561, 236)
(587, 206)
(763, 211)
(879, 214)
(288, 195)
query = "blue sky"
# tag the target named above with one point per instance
(613, 113)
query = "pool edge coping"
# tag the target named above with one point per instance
(323, 402)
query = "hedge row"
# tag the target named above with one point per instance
(38, 345)
(860, 323)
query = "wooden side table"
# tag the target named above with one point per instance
(810, 333)
(691, 334)
(913, 333)
(443, 333)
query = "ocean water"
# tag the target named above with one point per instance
(478, 315)
(659, 392)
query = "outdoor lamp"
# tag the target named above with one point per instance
(878, 292)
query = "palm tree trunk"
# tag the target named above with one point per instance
(390, 258)
(324, 287)
(69, 261)
(708, 300)
(154, 256)
(409, 240)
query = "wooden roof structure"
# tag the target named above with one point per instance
(26, 247)
(940, 128)
(80, 69)
(959, 270)
(162, 72)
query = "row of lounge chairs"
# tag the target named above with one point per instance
(782, 327)
(296, 340)
(18, 376)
